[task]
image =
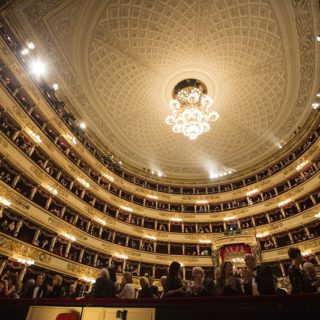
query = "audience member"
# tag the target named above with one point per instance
(10, 286)
(173, 286)
(153, 288)
(37, 289)
(298, 278)
(257, 279)
(128, 291)
(310, 270)
(55, 290)
(202, 287)
(146, 291)
(72, 291)
(228, 284)
(103, 287)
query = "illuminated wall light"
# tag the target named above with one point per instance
(176, 219)
(69, 236)
(90, 280)
(38, 68)
(152, 197)
(110, 178)
(283, 203)
(202, 201)
(150, 237)
(35, 137)
(126, 208)
(204, 241)
(5, 202)
(318, 37)
(84, 183)
(28, 262)
(152, 172)
(31, 45)
(121, 256)
(55, 86)
(262, 234)
(71, 138)
(160, 174)
(120, 162)
(25, 51)
(317, 215)
(83, 125)
(318, 94)
(52, 190)
(252, 192)
(306, 253)
(238, 260)
(229, 218)
(301, 165)
(101, 221)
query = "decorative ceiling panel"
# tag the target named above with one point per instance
(117, 62)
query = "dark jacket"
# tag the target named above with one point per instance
(30, 290)
(264, 281)
(224, 290)
(103, 288)
(57, 292)
(145, 292)
(299, 280)
(209, 288)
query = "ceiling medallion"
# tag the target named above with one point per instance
(189, 108)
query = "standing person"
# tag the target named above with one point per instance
(202, 287)
(228, 284)
(257, 279)
(173, 286)
(128, 291)
(37, 290)
(146, 291)
(55, 290)
(299, 280)
(103, 287)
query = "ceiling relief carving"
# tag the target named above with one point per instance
(116, 61)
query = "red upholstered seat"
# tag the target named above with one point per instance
(66, 316)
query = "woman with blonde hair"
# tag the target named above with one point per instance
(127, 291)
(55, 290)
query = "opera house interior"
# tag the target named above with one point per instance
(159, 159)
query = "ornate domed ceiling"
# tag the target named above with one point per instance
(118, 61)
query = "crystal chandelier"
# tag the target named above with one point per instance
(189, 108)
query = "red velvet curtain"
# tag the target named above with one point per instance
(241, 248)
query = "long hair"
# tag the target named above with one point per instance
(223, 269)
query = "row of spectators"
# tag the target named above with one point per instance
(253, 279)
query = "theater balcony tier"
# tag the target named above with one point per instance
(79, 150)
(294, 179)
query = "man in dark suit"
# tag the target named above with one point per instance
(103, 287)
(258, 280)
(37, 290)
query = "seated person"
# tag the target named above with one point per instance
(310, 270)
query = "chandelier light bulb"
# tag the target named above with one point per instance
(83, 125)
(55, 86)
(31, 45)
(38, 68)
(25, 51)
